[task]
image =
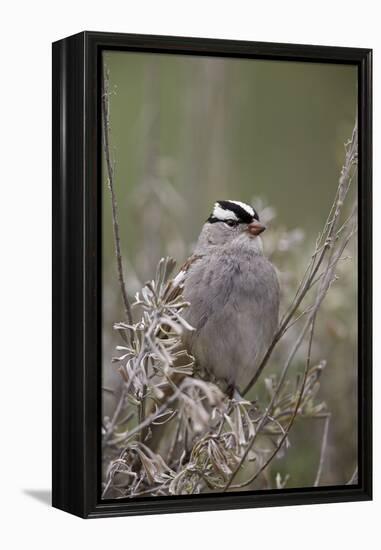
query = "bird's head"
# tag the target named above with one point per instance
(231, 220)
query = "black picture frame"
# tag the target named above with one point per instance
(77, 283)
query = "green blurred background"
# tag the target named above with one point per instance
(187, 131)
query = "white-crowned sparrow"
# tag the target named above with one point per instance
(233, 292)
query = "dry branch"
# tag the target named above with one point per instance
(110, 177)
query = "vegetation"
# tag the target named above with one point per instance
(209, 442)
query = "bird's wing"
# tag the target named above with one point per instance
(175, 286)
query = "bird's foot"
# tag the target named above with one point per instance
(238, 397)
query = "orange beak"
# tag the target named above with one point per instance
(255, 228)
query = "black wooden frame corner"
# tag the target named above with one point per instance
(77, 283)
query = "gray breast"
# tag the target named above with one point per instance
(234, 309)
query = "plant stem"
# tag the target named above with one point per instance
(110, 176)
(323, 450)
(319, 254)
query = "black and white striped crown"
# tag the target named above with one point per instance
(236, 211)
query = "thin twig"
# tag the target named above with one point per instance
(323, 450)
(317, 258)
(354, 477)
(110, 175)
(114, 418)
(142, 414)
(118, 408)
(174, 440)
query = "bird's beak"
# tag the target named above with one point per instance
(255, 228)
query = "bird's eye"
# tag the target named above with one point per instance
(231, 223)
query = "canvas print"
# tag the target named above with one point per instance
(229, 275)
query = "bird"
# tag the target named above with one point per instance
(233, 294)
